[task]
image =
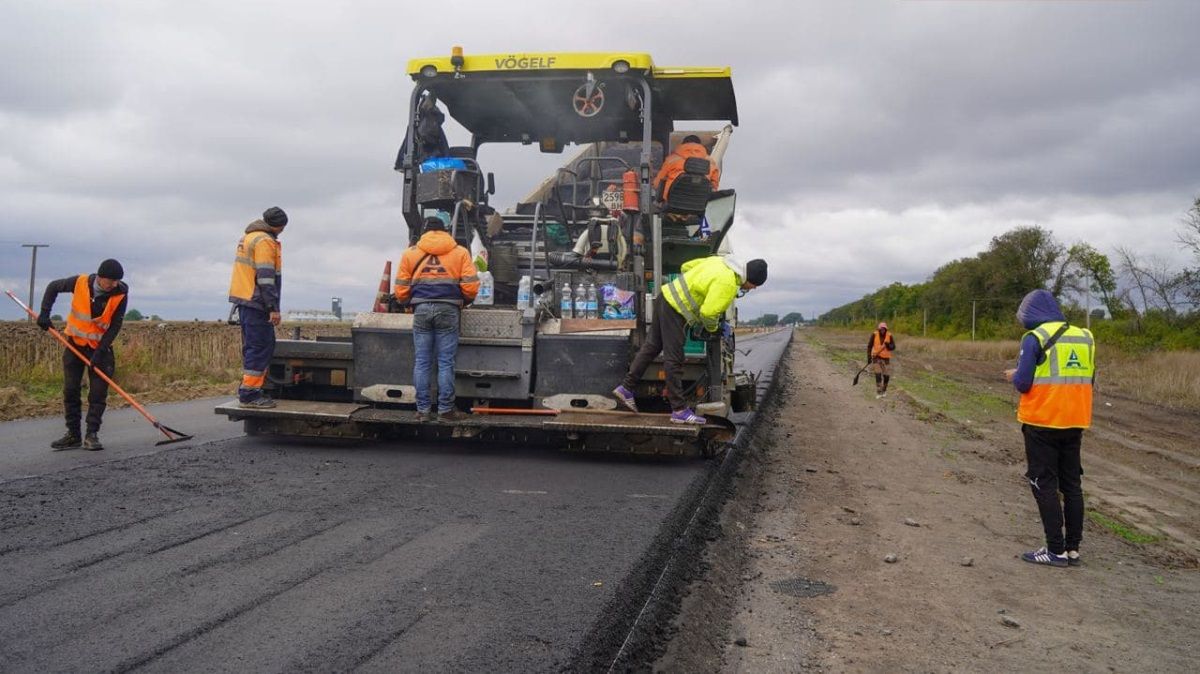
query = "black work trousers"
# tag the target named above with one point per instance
(73, 369)
(1052, 456)
(667, 334)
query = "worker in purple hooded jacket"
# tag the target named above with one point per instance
(1054, 374)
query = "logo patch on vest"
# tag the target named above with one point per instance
(1073, 362)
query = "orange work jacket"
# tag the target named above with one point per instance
(673, 166)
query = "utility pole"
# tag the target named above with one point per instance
(972, 320)
(33, 269)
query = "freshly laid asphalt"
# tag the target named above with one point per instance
(235, 553)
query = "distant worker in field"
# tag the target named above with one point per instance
(98, 303)
(672, 167)
(879, 355)
(255, 291)
(1055, 373)
(699, 297)
(438, 278)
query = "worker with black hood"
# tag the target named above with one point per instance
(98, 303)
(255, 291)
(1054, 374)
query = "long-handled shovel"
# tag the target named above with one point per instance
(864, 369)
(172, 434)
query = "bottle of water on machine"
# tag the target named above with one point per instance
(592, 305)
(523, 293)
(581, 300)
(565, 301)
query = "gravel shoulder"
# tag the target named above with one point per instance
(796, 578)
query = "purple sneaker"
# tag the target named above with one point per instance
(1044, 556)
(626, 397)
(687, 416)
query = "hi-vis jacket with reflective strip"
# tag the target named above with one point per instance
(705, 290)
(1061, 394)
(437, 269)
(879, 345)
(82, 327)
(257, 269)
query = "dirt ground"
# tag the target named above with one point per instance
(837, 481)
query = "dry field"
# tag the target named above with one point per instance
(156, 361)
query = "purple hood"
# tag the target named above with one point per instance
(1038, 307)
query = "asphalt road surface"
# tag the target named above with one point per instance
(232, 553)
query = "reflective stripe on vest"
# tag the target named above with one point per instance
(81, 327)
(687, 304)
(1061, 394)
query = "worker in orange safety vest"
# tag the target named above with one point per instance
(98, 303)
(879, 355)
(690, 147)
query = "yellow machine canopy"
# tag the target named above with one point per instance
(559, 98)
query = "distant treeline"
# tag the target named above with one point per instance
(771, 320)
(1136, 303)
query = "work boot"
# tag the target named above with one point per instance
(91, 442)
(259, 403)
(68, 441)
(452, 415)
(423, 417)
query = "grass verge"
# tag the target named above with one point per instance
(1125, 532)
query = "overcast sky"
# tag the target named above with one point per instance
(878, 138)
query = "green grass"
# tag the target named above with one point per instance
(959, 401)
(1126, 532)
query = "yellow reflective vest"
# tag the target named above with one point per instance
(704, 291)
(257, 270)
(1061, 394)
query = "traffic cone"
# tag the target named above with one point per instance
(385, 289)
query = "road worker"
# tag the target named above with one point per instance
(98, 303)
(436, 277)
(880, 346)
(698, 298)
(1055, 373)
(255, 292)
(672, 166)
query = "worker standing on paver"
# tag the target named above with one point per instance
(699, 297)
(437, 277)
(98, 303)
(879, 356)
(672, 167)
(1055, 373)
(255, 291)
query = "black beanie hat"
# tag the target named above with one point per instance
(434, 224)
(111, 269)
(756, 272)
(275, 217)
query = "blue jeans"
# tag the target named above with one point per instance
(435, 331)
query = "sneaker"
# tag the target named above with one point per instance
(625, 397)
(452, 415)
(1073, 558)
(68, 441)
(92, 443)
(687, 416)
(1044, 556)
(259, 403)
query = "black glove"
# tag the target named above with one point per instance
(43, 322)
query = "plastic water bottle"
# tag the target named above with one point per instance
(592, 305)
(564, 301)
(523, 293)
(581, 300)
(487, 289)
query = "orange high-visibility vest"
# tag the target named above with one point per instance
(1061, 394)
(878, 346)
(81, 327)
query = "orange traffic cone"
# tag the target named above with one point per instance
(385, 289)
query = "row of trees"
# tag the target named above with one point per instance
(771, 320)
(1141, 293)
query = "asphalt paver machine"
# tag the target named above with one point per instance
(529, 369)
